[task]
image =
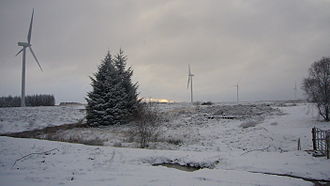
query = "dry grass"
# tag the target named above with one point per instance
(248, 124)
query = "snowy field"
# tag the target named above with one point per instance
(17, 119)
(259, 141)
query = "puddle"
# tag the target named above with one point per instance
(186, 168)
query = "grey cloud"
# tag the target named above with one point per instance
(265, 46)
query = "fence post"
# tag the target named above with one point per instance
(299, 146)
(313, 138)
(327, 144)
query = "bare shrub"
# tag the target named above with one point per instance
(117, 144)
(317, 86)
(147, 124)
(248, 124)
(174, 141)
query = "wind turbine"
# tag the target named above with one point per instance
(26, 45)
(190, 80)
(295, 90)
(237, 98)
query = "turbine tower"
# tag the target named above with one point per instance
(190, 81)
(237, 98)
(295, 90)
(26, 45)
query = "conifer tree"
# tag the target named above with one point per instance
(110, 101)
(131, 89)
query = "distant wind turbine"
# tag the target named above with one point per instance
(190, 81)
(237, 98)
(295, 90)
(26, 45)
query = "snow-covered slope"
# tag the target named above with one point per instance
(18, 119)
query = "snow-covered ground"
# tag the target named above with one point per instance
(263, 139)
(74, 164)
(18, 119)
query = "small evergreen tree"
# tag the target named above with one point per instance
(110, 100)
(133, 102)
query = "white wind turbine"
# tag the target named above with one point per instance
(295, 90)
(26, 45)
(237, 98)
(190, 81)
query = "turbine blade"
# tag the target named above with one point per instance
(30, 29)
(19, 51)
(35, 57)
(188, 81)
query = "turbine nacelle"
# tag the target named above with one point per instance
(24, 44)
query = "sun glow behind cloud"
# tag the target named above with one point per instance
(157, 100)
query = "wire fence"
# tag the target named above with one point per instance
(321, 141)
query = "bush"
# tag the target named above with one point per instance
(147, 124)
(207, 103)
(174, 141)
(317, 86)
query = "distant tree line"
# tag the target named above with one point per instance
(31, 100)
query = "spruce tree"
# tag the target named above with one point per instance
(133, 102)
(111, 100)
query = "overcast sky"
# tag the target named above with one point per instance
(264, 46)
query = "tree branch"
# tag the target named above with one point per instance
(32, 154)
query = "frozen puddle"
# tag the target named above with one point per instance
(186, 168)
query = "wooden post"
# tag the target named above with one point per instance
(299, 146)
(313, 138)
